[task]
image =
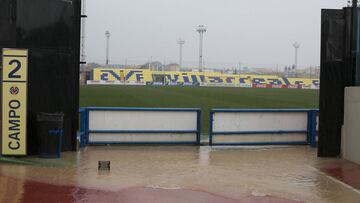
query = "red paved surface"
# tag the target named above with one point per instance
(31, 192)
(344, 171)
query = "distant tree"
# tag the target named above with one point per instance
(90, 66)
(156, 65)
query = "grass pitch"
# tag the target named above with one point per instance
(205, 98)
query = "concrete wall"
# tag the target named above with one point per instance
(351, 128)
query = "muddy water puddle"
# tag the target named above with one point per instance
(170, 173)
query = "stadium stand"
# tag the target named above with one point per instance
(148, 77)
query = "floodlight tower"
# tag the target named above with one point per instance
(181, 43)
(201, 29)
(83, 29)
(107, 35)
(296, 45)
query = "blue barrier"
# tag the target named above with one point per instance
(312, 127)
(85, 131)
(83, 126)
(310, 131)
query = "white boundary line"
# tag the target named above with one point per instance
(336, 180)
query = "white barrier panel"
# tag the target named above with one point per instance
(259, 121)
(351, 128)
(142, 120)
(143, 126)
(259, 138)
(259, 127)
(103, 82)
(140, 137)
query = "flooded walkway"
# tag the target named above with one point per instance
(182, 174)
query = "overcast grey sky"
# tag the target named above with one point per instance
(256, 33)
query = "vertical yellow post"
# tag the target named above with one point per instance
(14, 102)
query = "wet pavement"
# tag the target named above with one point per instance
(344, 171)
(183, 174)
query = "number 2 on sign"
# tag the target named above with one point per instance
(15, 70)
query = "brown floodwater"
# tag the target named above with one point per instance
(176, 174)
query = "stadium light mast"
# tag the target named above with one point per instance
(107, 35)
(83, 32)
(181, 43)
(201, 29)
(296, 45)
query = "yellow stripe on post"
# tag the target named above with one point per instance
(15, 52)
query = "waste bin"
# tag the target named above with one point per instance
(49, 132)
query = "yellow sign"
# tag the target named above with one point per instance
(14, 101)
